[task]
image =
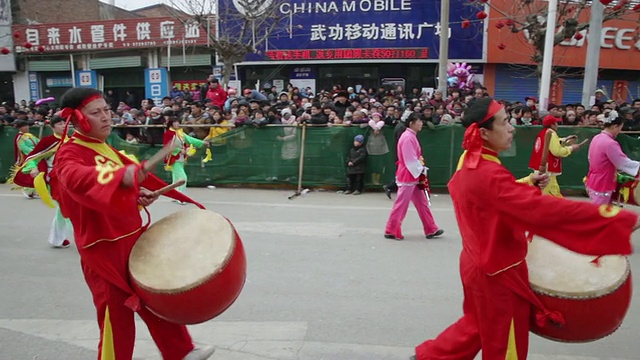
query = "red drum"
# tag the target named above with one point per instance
(627, 193)
(189, 267)
(593, 298)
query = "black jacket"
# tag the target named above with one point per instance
(358, 156)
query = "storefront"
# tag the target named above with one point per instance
(510, 73)
(321, 44)
(107, 55)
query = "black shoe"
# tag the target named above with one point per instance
(412, 357)
(392, 237)
(435, 234)
(387, 191)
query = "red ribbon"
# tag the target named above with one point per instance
(472, 141)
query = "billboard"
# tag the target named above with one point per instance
(110, 34)
(359, 30)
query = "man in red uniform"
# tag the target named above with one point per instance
(100, 191)
(494, 211)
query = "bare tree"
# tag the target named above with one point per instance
(527, 18)
(235, 30)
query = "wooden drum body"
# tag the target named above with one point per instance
(593, 299)
(189, 267)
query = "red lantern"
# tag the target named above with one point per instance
(28, 45)
(636, 8)
(5, 51)
(484, 1)
(578, 36)
(16, 34)
(499, 25)
(481, 15)
(510, 22)
(41, 48)
(502, 46)
(465, 24)
(606, 2)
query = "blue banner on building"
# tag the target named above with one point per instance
(87, 79)
(360, 29)
(156, 84)
(303, 72)
(34, 87)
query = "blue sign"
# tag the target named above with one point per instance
(303, 72)
(156, 84)
(87, 79)
(358, 29)
(34, 86)
(58, 82)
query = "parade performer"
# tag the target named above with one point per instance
(410, 168)
(557, 149)
(185, 146)
(494, 212)
(34, 172)
(605, 159)
(101, 191)
(23, 144)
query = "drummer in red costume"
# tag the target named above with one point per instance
(558, 149)
(494, 211)
(101, 190)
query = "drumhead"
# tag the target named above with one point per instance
(555, 270)
(182, 251)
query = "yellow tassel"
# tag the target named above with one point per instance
(208, 157)
(168, 167)
(191, 150)
(41, 188)
(625, 194)
(12, 173)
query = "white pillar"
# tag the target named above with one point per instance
(593, 53)
(444, 47)
(547, 62)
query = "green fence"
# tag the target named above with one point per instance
(247, 156)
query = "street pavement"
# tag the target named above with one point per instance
(322, 283)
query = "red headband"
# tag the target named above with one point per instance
(472, 142)
(69, 113)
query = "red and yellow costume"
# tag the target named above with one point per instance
(86, 182)
(44, 149)
(554, 158)
(23, 144)
(493, 215)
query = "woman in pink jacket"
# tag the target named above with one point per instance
(410, 167)
(605, 159)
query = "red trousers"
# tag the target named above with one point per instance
(105, 268)
(496, 321)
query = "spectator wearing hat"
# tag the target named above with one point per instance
(557, 149)
(356, 164)
(233, 95)
(631, 120)
(155, 135)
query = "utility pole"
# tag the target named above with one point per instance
(593, 53)
(547, 62)
(444, 47)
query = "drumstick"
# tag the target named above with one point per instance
(157, 157)
(168, 188)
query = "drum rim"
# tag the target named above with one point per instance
(536, 330)
(587, 295)
(204, 280)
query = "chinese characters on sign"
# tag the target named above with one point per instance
(113, 34)
(187, 85)
(388, 31)
(348, 54)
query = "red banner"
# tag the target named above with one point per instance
(110, 34)
(347, 54)
(189, 85)
(555, 92)
(620, 91)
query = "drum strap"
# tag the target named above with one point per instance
(512, 280)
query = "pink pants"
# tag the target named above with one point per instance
(405, 195)
(599, 198)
